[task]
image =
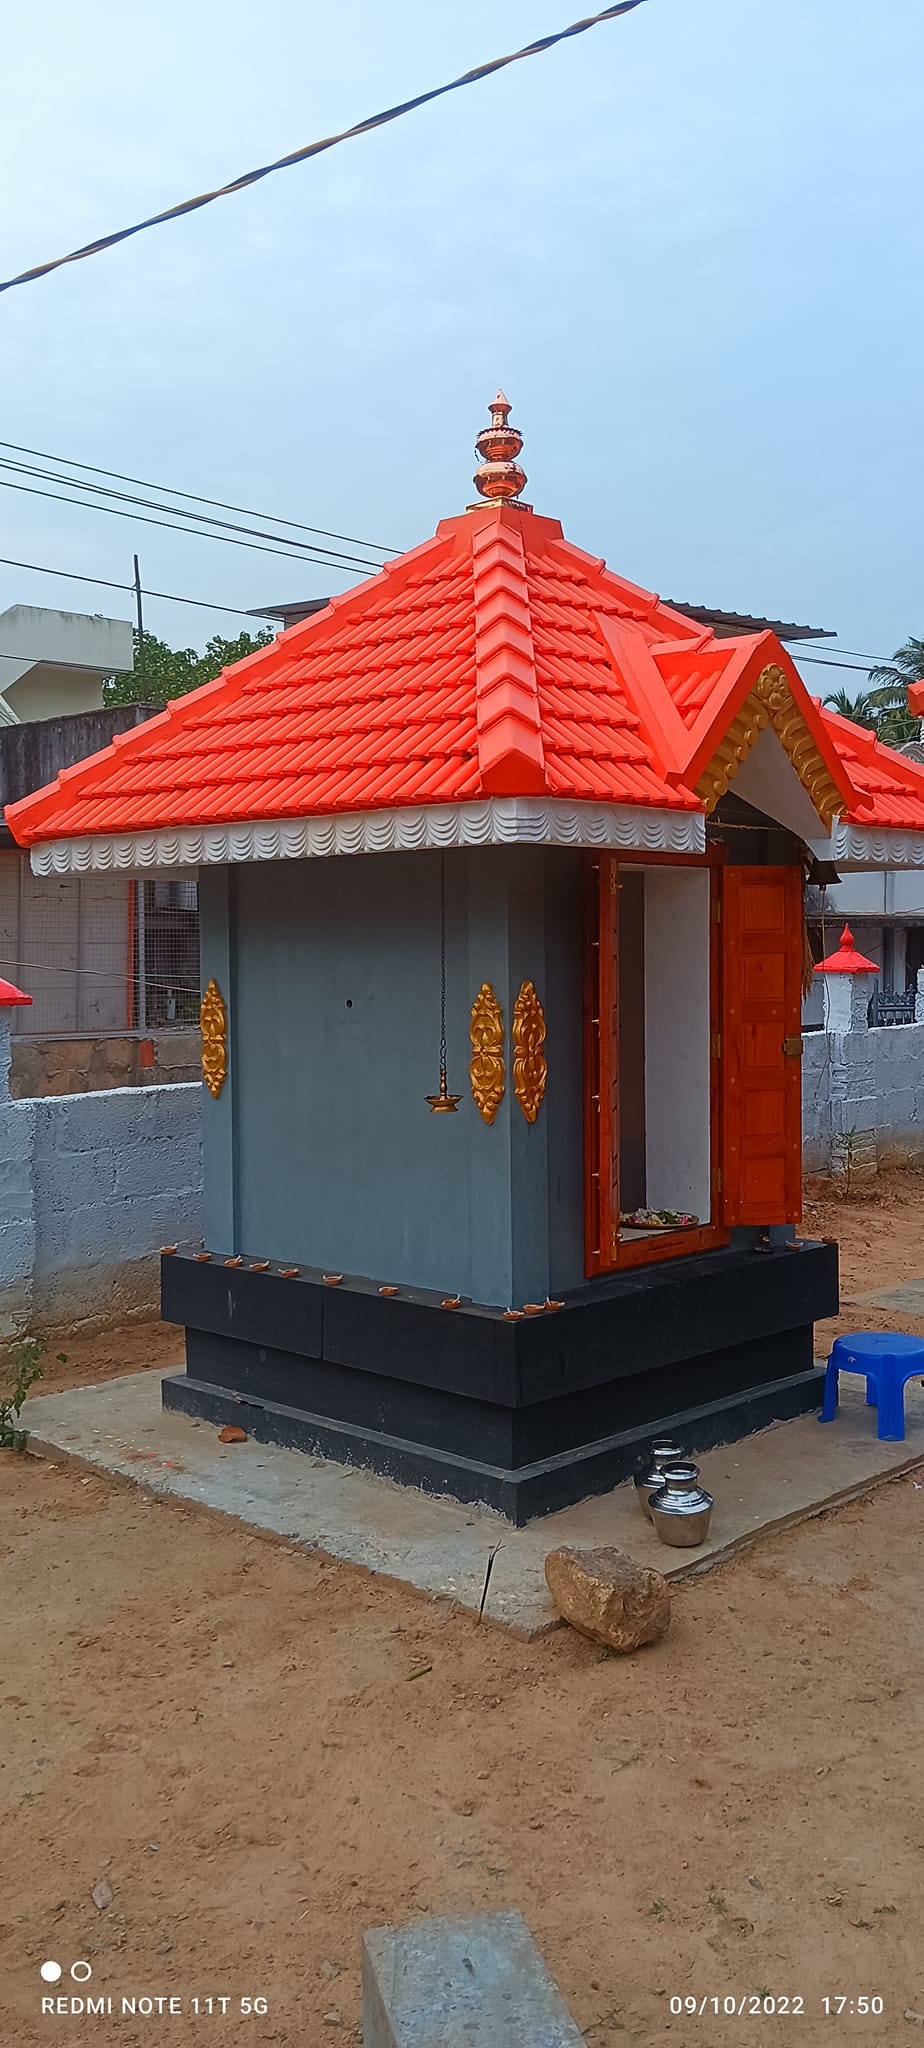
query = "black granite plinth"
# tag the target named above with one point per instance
(526, 1416)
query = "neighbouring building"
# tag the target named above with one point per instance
(112, 960)
(886, 911)
(501, 871)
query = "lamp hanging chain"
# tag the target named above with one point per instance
(443, 1101)
(442, 970)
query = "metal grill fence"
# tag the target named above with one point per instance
(100, 954)
(891, 1006)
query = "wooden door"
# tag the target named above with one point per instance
(761, 1045)
(601, 1066)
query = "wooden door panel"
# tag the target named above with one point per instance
(763, 1115)
(761, 1006)
(764, 978)
(763, 1188)
(601, 1067)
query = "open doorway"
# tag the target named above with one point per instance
(663, 1050)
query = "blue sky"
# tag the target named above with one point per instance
(688, 244)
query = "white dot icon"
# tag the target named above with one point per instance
(50, 1972)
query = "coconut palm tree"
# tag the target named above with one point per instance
(860, 710)
(894, 722)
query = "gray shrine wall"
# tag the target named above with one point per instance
(321, 1147)
(90, 1187)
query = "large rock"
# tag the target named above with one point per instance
(608, 1597)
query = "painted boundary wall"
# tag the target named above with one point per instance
(862, 1089)
(91, 1186)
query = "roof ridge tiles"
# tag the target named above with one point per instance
(511, 756)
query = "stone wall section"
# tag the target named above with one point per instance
(862, 1089)
(91, 1185)
(71, 1066)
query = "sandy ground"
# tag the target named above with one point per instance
(880, 1231)
(262, 1754)
(78, 1359)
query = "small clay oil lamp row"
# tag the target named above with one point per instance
(204, 1258)
(510, 1315)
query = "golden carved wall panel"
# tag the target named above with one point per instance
(213, 1022)
(529, 1062)
(486, 1070)
(771, 703)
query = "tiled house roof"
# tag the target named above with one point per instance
(495, 660)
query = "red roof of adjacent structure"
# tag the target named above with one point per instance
(494, 660)
(846, 960)
(10, 995)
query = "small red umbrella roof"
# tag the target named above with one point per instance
(846, 960)
(10, 994)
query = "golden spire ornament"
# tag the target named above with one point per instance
(443, 1102)
(499, 477)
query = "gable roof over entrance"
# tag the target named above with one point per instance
(496, 670)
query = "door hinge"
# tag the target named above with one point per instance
(614, 1240)
(716, 910)
(792, 1047)
(717, 1180)
(716, 1042)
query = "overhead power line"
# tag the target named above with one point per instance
(196, 497)
(856, 668)
(310, 149)
(106, 583)
(197, 533)
(313, 549)
(308, 551)
(874, 660)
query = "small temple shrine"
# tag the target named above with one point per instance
(501, 866)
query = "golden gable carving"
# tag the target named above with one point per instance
(771, 703)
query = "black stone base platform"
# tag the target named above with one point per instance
(525, 1416)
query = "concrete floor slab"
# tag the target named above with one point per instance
(908, 1299)
(767, 1481)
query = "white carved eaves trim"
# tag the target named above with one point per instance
(495, 821)
(875, 846)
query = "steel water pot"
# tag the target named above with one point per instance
(650, 1475)
(681, 1510)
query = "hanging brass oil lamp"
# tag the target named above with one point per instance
(443, 1101)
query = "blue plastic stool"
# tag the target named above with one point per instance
(886, 1358)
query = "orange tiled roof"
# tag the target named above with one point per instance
(494, 660)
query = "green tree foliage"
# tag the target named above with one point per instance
(884, 709)
(890, 697)
(171, 671)
(858, 709)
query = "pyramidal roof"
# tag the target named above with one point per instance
(496, 661)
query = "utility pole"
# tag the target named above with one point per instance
(140, 922)
(141, 661)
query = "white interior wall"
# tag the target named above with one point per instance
(678, 1162)
(768, 780)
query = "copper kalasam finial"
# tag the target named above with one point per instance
(499, 477)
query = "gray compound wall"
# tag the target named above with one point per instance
(862, 1088)
(90, 1187)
